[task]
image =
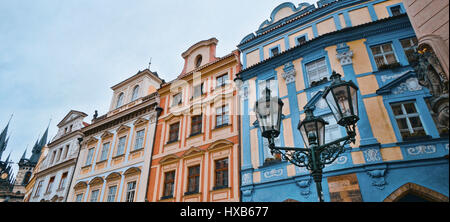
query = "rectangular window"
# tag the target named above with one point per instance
(139, 143)
(169, 180)
(317, 71)
(131, 189)
(271, 84)
(301, 40)
(177, 99)
(410, 47)
(221, 173)
(79, 197)
(89, 156)
(408, 120)
(221, 80)
(193, 179)
(65, 152)
(332, 130)
(50, 185)
(173, 132)
(396, 10)
(222, 117)
(38, 189)
(112, 194)
(198, 91)
(383, 55)
(105, 152)
(275, 51)
(62, 183)
(94, 196)
(121, 145)
(52, 160)
(196, 125)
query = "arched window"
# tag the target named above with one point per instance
(119, 100)
(26, 178)
(135, 93)
(198, 61)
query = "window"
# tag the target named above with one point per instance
(70, 128)
(79, 197)
(193, 179)
(332, 131)
(53, 157)
(139, 143)
(221, 80)
(222, 117)
(396, 10)
(119, 100)
(58, 155)
(38, 189)
(198, 91)
(274, 51)
(177, 99)
(410, 47)
(105, 151)
(384, 55)
(317, 71)
(169, 179)
(131, 189)
(198, 61)
(94, 196)
(135, 93)
(221, 173)
(301, 40)
(173, 132)
(111, 194)
(89, 156)
(121, 145)
(62, 183)
(65, 152)
(408, 120)
(196, 125)
(50, 185)
(268, 156)
(270, 84)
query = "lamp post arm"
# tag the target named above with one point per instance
(346, 139)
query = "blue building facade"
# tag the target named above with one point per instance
(401, 154)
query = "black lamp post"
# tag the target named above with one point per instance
(342, 99)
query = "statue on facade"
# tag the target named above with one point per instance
(431, 75)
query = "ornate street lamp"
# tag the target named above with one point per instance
(342, 99)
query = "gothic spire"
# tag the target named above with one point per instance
(3, 139)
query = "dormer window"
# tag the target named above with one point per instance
(177, 99)
(119, 100)
(198, 61)
(135, 93)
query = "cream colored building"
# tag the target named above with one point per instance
(54, 172)
(114, 159)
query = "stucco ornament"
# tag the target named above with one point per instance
(304, 187)
(345, 57)
(372, 155)
(246, 179)
(422, 149)
(411, 85)
(378, 178)
(289, 73)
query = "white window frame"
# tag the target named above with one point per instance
(312, 71)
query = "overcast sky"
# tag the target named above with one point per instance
(56, 55)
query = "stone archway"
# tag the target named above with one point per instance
(417, 190)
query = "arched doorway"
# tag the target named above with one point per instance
(412, 192)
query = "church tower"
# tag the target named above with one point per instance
(26, 166)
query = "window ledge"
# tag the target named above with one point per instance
(195, 193)
(195, 135)
(118, 156)
(167, 197)
(172, 142)
(137, 150)
(221, 126)
(86, 166)
(101, 161)
(220, 188)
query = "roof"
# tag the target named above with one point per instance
(145, 71)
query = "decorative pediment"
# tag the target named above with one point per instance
(91, 140)
(80, 185)
(407, 82)
(96, 181)
(132, 171)
(73, 114)
(316, 102)
(220, 144)
(192, 152)
(284, 10)
(140, 121)
(113, 176)
(106, 134)
(169, 159)
(123, 128)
